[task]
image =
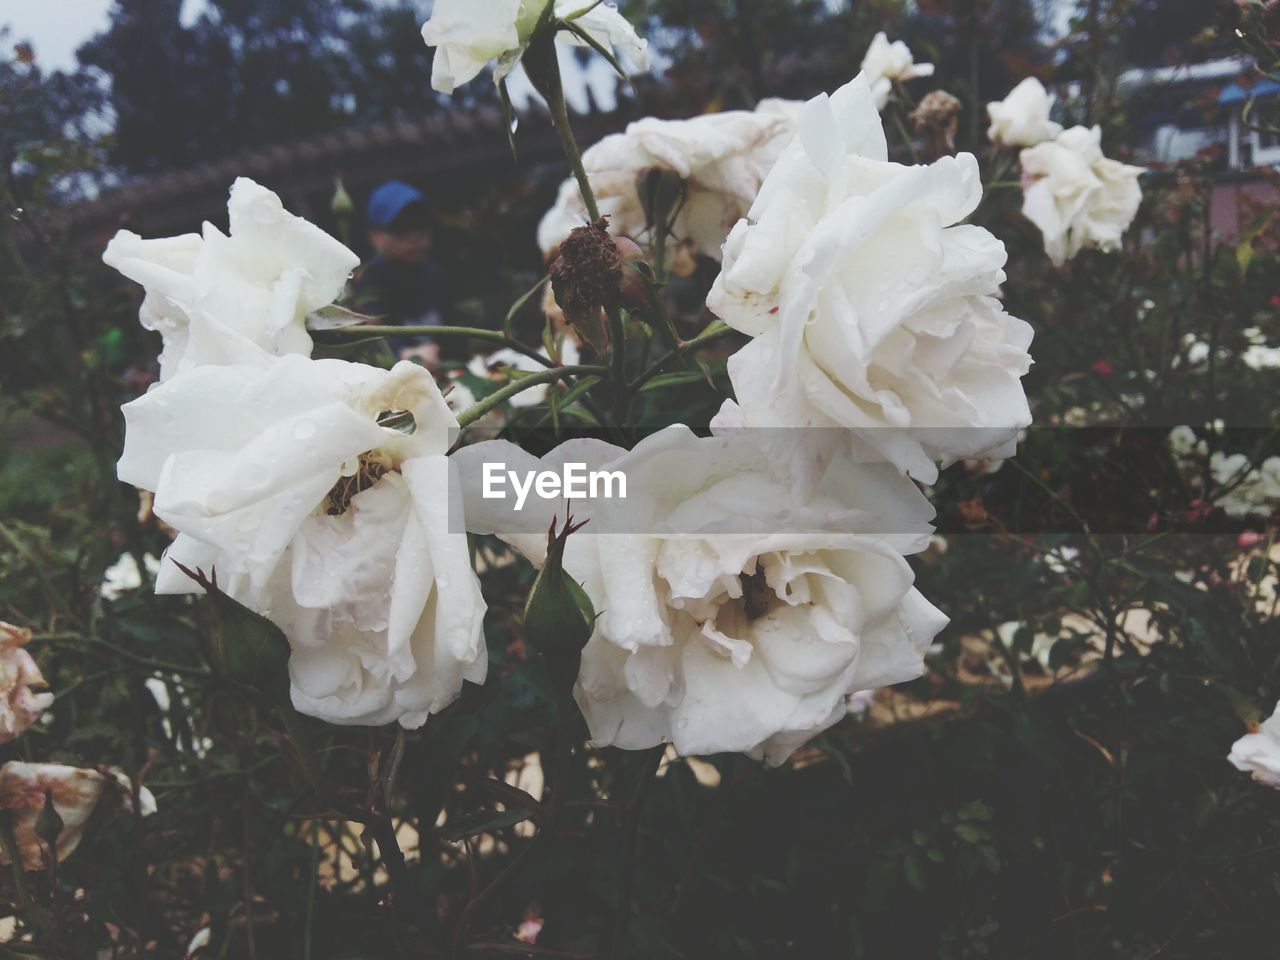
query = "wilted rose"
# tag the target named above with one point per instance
(24, 695)
(720, 160)
(74, 792)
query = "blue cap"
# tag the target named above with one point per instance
(389, 200)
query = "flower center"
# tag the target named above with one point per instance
(370, 471)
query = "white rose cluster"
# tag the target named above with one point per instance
(1076, 196)
(872, 306)
(745, 600)
(315, 491)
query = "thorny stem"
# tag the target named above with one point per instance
(716, 331)
(566, 711)
(248, 880)
(617, 332)
(617, 935)
(499, 397)
(51, 594)
(426, 330)
(307, 931)
(560, 119)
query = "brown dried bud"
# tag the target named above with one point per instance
(585, 276)
(936, 117)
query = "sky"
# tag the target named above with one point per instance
(56, 27)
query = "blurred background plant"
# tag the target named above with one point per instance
(1055, 786)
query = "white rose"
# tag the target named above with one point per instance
(218, 298)
(470, 34)
(885, 63)
(280, 477)
(873, 307)
(75, 793)
(722, 157)
(1076, 196)
(1022, 118)
(24, 695)
(1258, 754)
(734, 613)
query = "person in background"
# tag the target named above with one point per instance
(402, 285)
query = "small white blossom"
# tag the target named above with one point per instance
(1258, 754)
(886, 63)
(1022, 118)
(468, 35)
(1076, 196)
(222, 298)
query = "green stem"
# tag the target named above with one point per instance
(547, 826)
(716, 331)
(474, 333)
(11, 849)
(311, 889)
(618, 365)
(51, 593)
(501, 396)
(560, 118)
(617, 936)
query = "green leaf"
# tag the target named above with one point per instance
(523, 301)
(248, 646)
(483, 821)
(913, 870)
(597, 46)
(671, 379)
(559, 617)
(49, 823)
(334, 317)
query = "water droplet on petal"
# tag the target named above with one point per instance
(304, 430)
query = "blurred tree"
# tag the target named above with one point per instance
(251, 72)
(1174, 31)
